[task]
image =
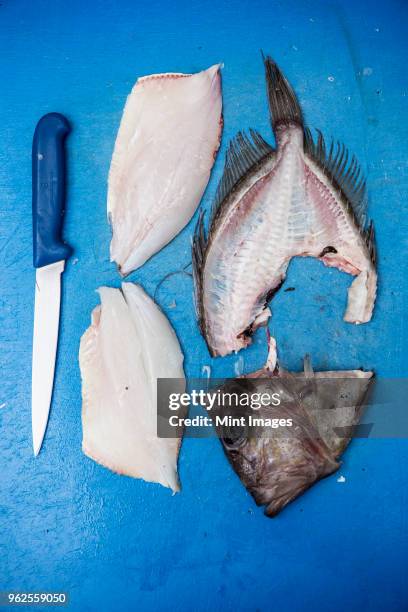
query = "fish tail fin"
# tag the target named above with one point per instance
(283, 104)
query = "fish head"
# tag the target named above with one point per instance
(277, 462)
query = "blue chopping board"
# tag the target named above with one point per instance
(114, 543)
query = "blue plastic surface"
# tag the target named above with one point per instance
(49, 190)
(120, 544)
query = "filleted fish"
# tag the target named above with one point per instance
(298, 199)
(129, 345)
(166, 145)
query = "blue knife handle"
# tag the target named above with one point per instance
(49, 190)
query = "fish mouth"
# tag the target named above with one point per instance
(276, 505)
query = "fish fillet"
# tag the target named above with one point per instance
(278, 465)
(299, 199)
(166, 145)
(129, 345)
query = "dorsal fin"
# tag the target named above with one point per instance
(345, 174)
(342, 171)
(244, 152)
(198, 248)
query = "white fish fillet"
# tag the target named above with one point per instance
(129, 344)
(165, 148)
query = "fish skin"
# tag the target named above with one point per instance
(165, 148)
(276, 468)
(298, 200)
(129, 344)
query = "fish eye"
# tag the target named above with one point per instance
(235, 438)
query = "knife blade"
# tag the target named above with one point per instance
(49, 256)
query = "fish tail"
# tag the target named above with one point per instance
(283, 104)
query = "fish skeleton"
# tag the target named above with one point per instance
(300, 199)
(166, 145)
(129, 345)
(277, 465)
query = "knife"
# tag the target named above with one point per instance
(49, 255)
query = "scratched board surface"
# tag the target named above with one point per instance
(116, 543)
